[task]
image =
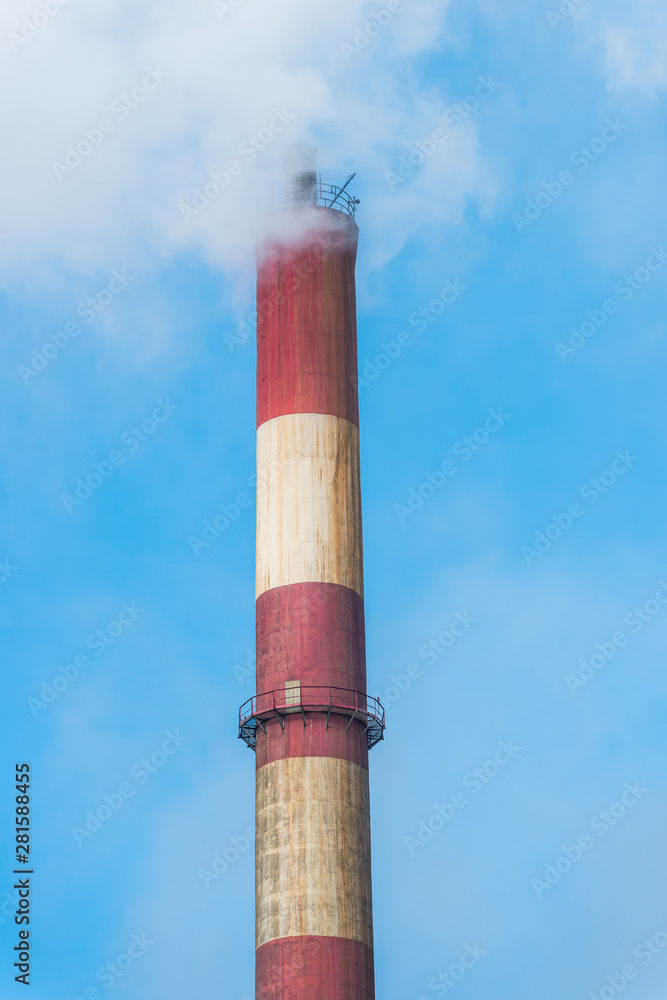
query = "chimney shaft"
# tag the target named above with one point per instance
(311, 723)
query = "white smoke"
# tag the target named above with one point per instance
(121, 109)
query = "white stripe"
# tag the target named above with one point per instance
(308, 502)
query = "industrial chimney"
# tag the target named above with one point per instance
(311, 722)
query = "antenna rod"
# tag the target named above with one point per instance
(350, 178)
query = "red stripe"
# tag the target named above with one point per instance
(312, 632)
(314, 968)
(306, 324)
(312, 739)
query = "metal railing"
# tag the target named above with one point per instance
(323, 196)
(256, 711)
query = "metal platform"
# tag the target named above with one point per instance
(256, 711)
(322, 195)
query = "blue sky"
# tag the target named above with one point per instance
(162, 379)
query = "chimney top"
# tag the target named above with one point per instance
(301, 174)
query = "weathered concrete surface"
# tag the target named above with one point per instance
(309, 511)
(312, 850)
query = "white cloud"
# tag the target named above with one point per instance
(636, 51)
(227, 72)
(633, 38)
